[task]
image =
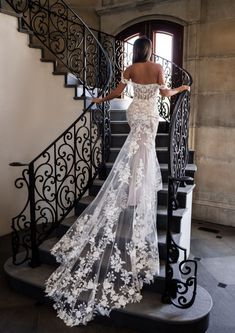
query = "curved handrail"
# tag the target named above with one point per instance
(178, 141)
(50, 176)
(66, 25)
(174, 76)
(61, 174)
(181, 292)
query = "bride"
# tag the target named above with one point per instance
(111, 250)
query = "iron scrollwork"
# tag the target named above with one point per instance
(179, 290)
(61, 32)
(62, 173)
(181, 272)
(55, 180)
(21, 240)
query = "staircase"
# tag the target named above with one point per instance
(151, 314)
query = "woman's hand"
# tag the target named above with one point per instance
(185, 87)
(97, 100)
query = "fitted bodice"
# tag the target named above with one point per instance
(144, 91)
(145, 101)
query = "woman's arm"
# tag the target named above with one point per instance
(169, 92)
(115, 92)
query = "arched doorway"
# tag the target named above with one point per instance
(166, 36)
(167, 39)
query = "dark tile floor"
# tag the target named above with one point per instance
(214, 250)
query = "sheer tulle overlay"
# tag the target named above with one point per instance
(112, 248)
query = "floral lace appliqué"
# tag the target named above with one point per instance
(111, 250)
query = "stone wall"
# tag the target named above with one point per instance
(209, 55)
(214, 198)
(86, 9)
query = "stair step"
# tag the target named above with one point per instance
(189, 171)
(120, 115)
(122, 126)
(5, 8)
(159, 281)
(119, 126)
(150, 314)
(60, 72)
(71, 79)
(25, 31)
(176, 219)
(161, 216)
(47, 55)
(162, 154)
(47, 258)
(34, 42)
(162, 194)
(118, 139)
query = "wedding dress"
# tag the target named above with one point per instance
(112, 249)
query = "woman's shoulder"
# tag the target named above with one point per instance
(155, 65)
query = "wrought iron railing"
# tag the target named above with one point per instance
(63, 172)
(180, 290)
(64, 34)
(181, 272)
(120, 53)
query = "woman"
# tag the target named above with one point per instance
(112, 249)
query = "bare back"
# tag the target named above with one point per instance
(144, 73)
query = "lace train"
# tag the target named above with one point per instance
(112, 248)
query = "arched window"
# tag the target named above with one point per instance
(166, 36)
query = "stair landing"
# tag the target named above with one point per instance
(150, 315)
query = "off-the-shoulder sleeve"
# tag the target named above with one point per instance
(163, 86)
(123, 80)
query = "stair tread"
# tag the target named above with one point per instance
(161, 210)
(60, 72)
(150, 307)
(163, 166)
(47, 60)
(186, 189)
(118, 121)
(47, 245)
(33, 276)
(157, 148)
(119, 134)
(50, 242)
(126, 134)
(189, 166)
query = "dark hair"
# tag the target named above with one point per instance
(142, 49)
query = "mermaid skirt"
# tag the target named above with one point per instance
(111, 250)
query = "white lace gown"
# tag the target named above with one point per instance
(112, 248)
